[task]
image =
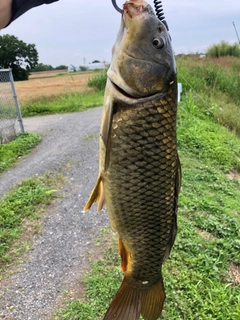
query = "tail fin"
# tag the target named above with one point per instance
(152, 301)
(130, 302)
(126, 304)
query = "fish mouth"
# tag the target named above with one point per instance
(138, 97)
(134, 8)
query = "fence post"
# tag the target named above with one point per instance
(16, 101)
(10, 115)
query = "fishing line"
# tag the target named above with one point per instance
(192, 88)
(159, 11)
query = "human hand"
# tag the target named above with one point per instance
(5, 12)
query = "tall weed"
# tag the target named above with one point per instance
(198, 136)
(223, 49)
(99, 81)
(214, 82)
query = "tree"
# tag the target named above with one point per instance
(18, 56)
(61, 67)
(42, 67)
(95, 61)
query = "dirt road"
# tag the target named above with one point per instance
(58, 254)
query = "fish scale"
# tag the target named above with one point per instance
(145, 169)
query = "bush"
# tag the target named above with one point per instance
(83, 68)
(99, 81)
(223, 49)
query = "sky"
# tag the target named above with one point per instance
(79, 31)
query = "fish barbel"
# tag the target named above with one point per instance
(139, 172)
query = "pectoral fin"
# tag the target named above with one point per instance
(105, 135)
(97, 195)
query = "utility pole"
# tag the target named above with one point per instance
(236, 32)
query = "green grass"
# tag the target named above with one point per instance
(24, 203)
(200, 137)
(99, 81)
(75, 102)
(215, 87)
(198, 281)
(23, 144)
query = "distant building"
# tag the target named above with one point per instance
(92, 66)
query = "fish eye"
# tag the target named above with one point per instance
(158, 43)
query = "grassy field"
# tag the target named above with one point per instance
(53, 92)
(51, 85)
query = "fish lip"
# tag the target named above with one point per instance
(135, 8)
(144, 98)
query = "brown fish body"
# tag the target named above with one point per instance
(139, 184)
(139, 174)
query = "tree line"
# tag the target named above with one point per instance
(47, 67)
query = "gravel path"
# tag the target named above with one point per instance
(59, 254)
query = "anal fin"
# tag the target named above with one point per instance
(123, 254)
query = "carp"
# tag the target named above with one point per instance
(139, 170)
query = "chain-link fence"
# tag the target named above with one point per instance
(10, 116)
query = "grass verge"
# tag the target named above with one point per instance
(74, 102)
(19, 211)
(23, 144)
(215, 87)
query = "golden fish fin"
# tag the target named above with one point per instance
(129, 302)
(97, 195)
(123, 254)
(152, 301)
(126, 304)
(178, 181)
